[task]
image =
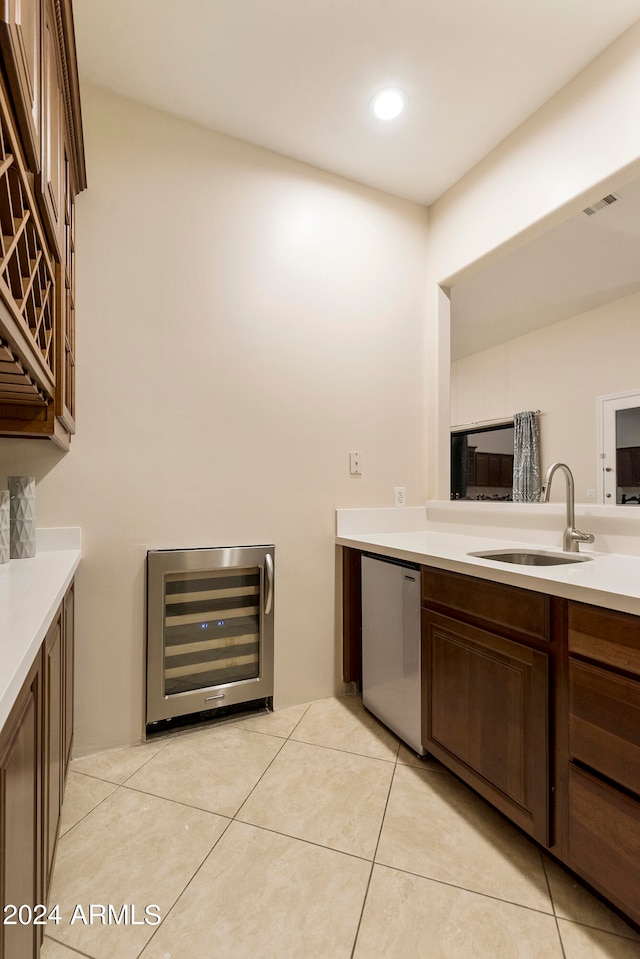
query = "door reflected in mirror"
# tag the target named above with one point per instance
(620, 452)
(482, 463)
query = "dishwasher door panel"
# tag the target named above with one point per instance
(391, 647)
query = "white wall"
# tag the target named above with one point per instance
(559, 370)
(550, 167)
(243, 322)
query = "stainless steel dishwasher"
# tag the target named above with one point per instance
(391, 645)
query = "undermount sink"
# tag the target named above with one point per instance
(531, 557)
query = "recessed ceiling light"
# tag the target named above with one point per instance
(388, 104)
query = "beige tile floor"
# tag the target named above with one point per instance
(309, 833)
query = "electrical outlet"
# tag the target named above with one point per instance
(591, 494)
(399, 496)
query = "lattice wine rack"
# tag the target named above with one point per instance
(26, 281)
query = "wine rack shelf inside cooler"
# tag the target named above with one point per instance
(209, 629)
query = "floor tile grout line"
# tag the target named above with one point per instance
(162, 748)
(260, 778)
(88, 813)
(77, 952)
(289, 740)
(364, 903)
(308, 842)
(553, 905)
(339, 749)
(308, 706)
(546, 879)
(99, 779)
(375, 852)
(576, 922)
(122, 782)
(182, 891)
(474, 892)
(607, 932)
(176, 802)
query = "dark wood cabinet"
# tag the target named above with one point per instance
(68, 633)
(53, 769)
(492, 469)
(20, 815)
(628, 466)
(41, 171)
(34, 751)
(485, 710)
(20, 42)
(600, 788)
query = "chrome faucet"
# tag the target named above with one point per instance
(572, 536)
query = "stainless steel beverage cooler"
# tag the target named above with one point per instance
(209, 629)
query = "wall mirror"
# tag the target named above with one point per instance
(482, 463)
(552, 325)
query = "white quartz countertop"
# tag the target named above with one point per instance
(31, 591)
(608, 579)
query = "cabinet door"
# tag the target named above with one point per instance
(54, 744)
(635, 466)
(65, 279)
(482, 469)
(20, 821)
(52, 177)
(486, 716)
(624, 467)
(68, 622)
(495, 469)
(506, 469)
(20, 37)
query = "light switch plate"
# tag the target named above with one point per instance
(355, 463)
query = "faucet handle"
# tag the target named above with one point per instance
(579, 537)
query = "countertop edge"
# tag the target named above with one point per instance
(49, 575)
(543, 579)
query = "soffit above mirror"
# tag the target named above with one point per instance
(583, 263)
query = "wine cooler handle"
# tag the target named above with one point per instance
(268, 603)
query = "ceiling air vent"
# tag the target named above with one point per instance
(601, 204)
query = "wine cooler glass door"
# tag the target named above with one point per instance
(210, 629)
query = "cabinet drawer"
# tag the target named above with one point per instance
(604, 723)
(606, 636)
(518, 612)
(604, 839)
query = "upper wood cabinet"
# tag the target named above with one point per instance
(20, 42)
(52, 177)
(41, 171)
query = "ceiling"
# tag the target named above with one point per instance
(581, 264)
(296, 76)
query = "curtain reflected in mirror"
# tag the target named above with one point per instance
(526, 457)
(482, 463)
